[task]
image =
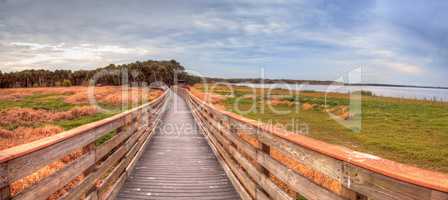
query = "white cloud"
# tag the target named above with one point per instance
(267, 28)
(42, 54)
(407, 68)
(211, 22)
(38, 58)
(36, 46)
(219, 21)
(288, 36)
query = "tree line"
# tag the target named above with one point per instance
(147, 71)
(271, 81)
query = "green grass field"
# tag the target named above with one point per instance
(28, 114)
(409, 131)
(51, 102)
(56, 103)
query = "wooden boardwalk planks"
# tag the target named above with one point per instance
(308, 167)
(178, 163)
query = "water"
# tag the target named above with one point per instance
(400, 92)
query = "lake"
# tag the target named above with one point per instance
(400, 92)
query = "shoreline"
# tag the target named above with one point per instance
(315, 82)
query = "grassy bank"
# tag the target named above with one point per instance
(28, 114)
(409, 131)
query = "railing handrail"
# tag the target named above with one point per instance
(418, 176)
(406, 174)
(104, 165)
(24, 149)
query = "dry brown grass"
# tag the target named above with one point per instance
(214, 99)
(27, 120)
(341, 111)
(46, 171)
(114, 95)
(208, 97)
(23, 116)
(24, 135)
(26, 117)
(19, 93)
(32, 124)
(79, 94)
(22, 125)
(307, 106)
(276, 102)
(75, 113)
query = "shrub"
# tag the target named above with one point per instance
(66, 83)
(27, 117)
(24, 135)
(364, 93)
(23, 117)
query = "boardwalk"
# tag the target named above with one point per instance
(178, 163)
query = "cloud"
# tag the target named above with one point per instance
(407, 68)
(309, 39)
(220, 21)
(48, 54)
(35, 46)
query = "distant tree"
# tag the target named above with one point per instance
(147, 71)
(66, 83)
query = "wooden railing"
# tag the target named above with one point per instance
(268, 163)
(101, 168)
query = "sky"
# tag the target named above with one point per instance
(394, 42)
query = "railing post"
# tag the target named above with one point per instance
(5, 193)
(267, 150)
(92, 169)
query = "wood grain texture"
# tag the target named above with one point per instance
(207, 161)
(178, 163)
(95, 164)
(245, 187)
(43, 189)
(297, 182)
(361, 175)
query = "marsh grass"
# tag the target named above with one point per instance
(50, 102)
(64, 107)
(105, 138)
(29, 114)
(409, 131)
(73, 123)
